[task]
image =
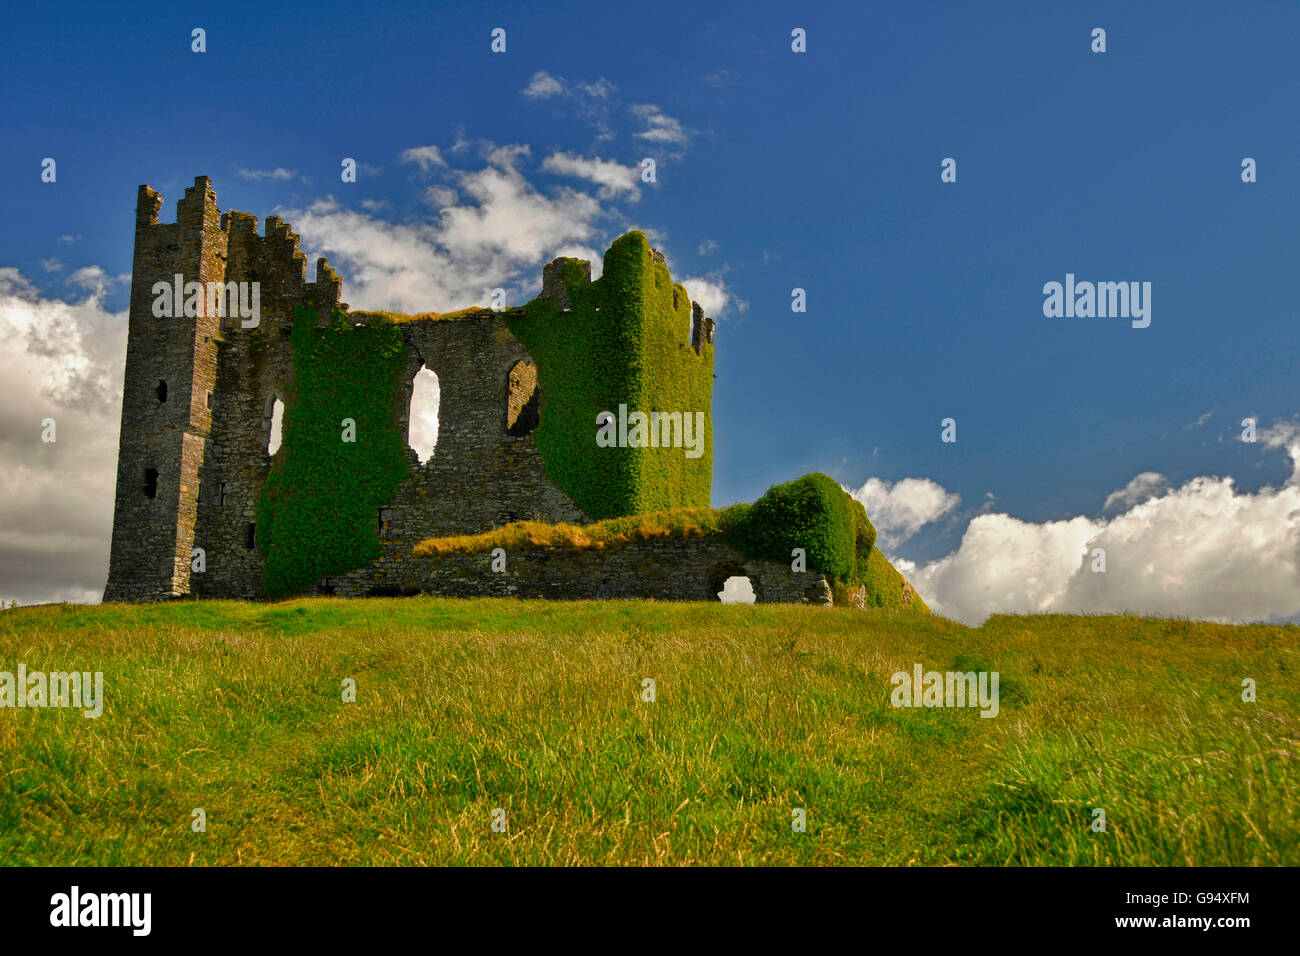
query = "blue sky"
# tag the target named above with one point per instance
(776, 170)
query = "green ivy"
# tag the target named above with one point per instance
(813, 513)
(318, 511)
(623, 342)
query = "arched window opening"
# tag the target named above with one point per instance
(422, 427)
(737, 590)
(523, 399)
(161, 391)
(151, 482)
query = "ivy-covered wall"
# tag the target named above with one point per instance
(624, 342)
(317, 513)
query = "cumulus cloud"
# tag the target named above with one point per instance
(707, 246)
(1202, 550)
(611, 176)
(59, 360)
(257, 175)
(902, 509)
(498, 237)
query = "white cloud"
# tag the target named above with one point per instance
(51, 265)
(92, 278)
(1147, 485)
(499, 237)
(426, 157)
(707, 246)
(658, 126)
(611, 176)
(543, 86)
(1284, 435)
(69, 238)
(257, 175)
(713, 296)
(60, 360)
(440, 196)
(902, 509)
(1202, 550)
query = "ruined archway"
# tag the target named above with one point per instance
(724, 579)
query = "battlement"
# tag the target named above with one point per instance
(226, 247)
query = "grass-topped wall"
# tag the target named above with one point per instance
(626, 341)
(317, 514)
(813, 513)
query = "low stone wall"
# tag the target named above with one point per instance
(671, 569)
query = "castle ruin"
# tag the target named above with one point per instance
(200, 390)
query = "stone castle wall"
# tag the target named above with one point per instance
(679, 569)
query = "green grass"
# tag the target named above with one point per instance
(534, 707)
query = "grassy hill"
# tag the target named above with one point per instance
(463, 707)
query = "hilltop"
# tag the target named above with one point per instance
(538, 709)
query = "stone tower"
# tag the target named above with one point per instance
(171, 368)
(172, 435)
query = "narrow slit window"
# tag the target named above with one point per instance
(277, 427)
